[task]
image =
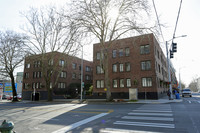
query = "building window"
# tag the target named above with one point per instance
(146, 82)
(158, 54)
(114, 53)
(100, 83)
(50, 62)
(36, 85)
(158, 68)
(88, 77)
(61, 85)
(37, 74)
(128, 66)
(121, 67)
(128, 82)
(73, 65)
(145, 49)
(146, 65)
(28, 65)
(26, 86)
(98, 55)
(121, 52)
(61, 63)
(115, 83)
(88, 69)
(127, 52)
(73, 75)
(100, 70)
(121, 83)
(26, 75)
(63, 74)
(114, 67)
(37, 63)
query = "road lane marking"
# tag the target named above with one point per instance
(189, 101)
(153, 114)
(144, 124)
(115, 130)
(77, 124)
(198, 101)
(14, 113)
(156, 111)
(92, 111)
(148, 118)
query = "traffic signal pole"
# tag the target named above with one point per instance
(169, 72)
(174, 49)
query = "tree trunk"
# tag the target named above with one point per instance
(13, 88)
(107, 80)
(50, 91)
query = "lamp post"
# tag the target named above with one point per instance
(82, 74)
(168, 62)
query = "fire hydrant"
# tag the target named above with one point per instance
(6, 127)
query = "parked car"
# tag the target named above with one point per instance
(4, 97)
(10, 97)
(19, 96)
(186, 92)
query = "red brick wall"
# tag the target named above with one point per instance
(135, 59)
(68, 68)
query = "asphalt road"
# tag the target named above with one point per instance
(180, 117)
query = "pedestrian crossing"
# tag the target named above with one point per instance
(192, 102)
(153, 117)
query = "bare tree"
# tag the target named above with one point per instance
(193, 84)
(11, 55)
(49, 31)
(108, 20)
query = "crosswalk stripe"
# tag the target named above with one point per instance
(198, 101)
(144, 124)
(148, 118)
(153, 114)
(115, 130)
(156, 111)
(80, 123)
(189, 101)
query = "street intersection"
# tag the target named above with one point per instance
(43, 117)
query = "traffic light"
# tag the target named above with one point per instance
(171, 54)
(174, 47)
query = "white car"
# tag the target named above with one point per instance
(186, 92)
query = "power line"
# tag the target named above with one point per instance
(158, 21)
(177, 20)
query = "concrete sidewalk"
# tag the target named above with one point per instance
(141, 101)
(101, 101)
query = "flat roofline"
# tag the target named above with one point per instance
(129, 38)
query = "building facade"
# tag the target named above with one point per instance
(135, 62)
(58, 71)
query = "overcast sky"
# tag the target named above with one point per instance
(187, 59)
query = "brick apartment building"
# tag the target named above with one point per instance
(65, 78)
(135, 62)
